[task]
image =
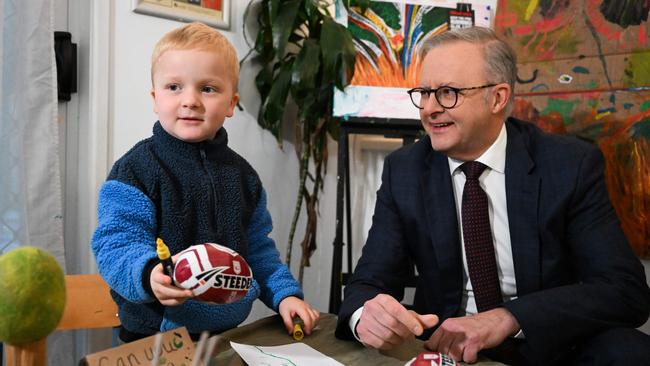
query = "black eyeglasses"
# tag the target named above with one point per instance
(447, 96)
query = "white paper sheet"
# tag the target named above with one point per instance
(294, 354)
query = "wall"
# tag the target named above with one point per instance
(131, 119)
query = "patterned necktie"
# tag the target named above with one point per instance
(479, 248)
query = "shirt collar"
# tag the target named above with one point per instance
(170, 143)
(494, 157)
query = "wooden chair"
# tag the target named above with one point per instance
(88, 305)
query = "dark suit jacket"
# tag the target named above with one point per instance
(576, 274)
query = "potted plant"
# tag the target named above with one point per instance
(304, 54)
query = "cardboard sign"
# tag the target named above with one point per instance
(177, 350)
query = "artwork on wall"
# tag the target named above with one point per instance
(215, 13)
(584, 69)
(387, 37)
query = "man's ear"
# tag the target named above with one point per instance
(501, 95)
(233, 103)
(153, 98)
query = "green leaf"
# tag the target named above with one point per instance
(272, 108)
(264, 45)
(338, 53)
(315, 10)
(323, 102)
(263, 81)
(284, 25)
(264, 39)
(274, 9)
(311, 7)
(305, 69)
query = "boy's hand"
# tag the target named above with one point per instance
(292, 306)
(164, 289)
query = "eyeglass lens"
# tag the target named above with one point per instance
(445, 96)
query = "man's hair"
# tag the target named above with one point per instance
(500, 59)
(198, 36)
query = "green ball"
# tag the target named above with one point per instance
(32, 295)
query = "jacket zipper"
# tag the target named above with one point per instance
(213, 188)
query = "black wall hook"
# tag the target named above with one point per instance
(66, 65)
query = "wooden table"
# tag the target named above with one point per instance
(271, 332)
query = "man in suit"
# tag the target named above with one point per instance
(568, 288)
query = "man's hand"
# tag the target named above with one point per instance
(385, 323)
(164, 289)
(462, 338)
(291, 306)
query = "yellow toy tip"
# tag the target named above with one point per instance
(298, 334)
(161, 249)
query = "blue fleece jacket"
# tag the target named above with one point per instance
(186, 194)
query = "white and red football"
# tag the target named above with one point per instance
(214, 273)
(431, 359)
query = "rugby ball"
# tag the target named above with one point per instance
(432, 359)
(215, 274)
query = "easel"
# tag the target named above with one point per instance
(406, 129)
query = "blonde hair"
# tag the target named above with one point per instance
(198, 36)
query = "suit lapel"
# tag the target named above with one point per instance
(522, 190)
(440, 210)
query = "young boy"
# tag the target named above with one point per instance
(184, 184)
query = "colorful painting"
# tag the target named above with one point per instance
(584, 69)
(387, 37)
